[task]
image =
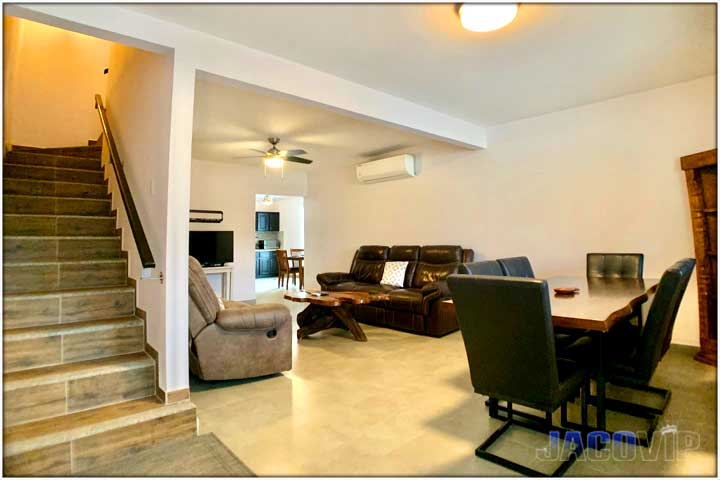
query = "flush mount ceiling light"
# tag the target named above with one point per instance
(267, 200)
(486, 17)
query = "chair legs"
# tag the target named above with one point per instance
(638, 410)
(538, 424)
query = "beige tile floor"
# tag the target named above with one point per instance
(402, 404)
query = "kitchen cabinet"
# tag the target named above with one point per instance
(267, 221)
(266, 264)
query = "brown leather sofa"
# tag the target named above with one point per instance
(415, 307)
(240, 341)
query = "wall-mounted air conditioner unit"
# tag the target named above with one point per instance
(391, 168)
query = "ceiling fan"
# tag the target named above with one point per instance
(276, 158)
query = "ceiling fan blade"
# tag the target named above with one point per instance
(249, 156)
(259, 151)
(299, 160)
(295, 152)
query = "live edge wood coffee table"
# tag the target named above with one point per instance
(331, 311)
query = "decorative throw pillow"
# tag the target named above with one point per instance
(394, 274)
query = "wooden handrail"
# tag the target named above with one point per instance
(143, 247)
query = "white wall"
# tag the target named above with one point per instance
(51, 77)
(138, 107)
(232, 189)
(603, 177)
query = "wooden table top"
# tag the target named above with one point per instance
(600, 303)
(334, 299)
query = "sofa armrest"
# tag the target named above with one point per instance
(438, 289)
(333, 278)
(253, 317)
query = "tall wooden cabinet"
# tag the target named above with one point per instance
(701, 177)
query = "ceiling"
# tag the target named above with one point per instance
(552, 57)
(229, 119)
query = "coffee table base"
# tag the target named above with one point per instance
(316, 318)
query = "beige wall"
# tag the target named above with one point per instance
(603, 177)
(138, 107)
(51, 76)
(232, 189)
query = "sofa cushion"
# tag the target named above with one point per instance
(394, 274)
(368, 264)
(406, 253)
(406, 299)
(436, 263)
(361, 287)
(201, 292)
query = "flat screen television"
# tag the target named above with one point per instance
(211, 248)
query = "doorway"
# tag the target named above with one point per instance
(279, 225)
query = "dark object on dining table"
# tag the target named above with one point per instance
(631, 364)
(507, 329)
(566, 290)
(516, 267)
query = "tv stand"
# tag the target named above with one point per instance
(226, 272)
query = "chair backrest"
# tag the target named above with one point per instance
(489, 267)
(507, 329)
(204, 304)
(282, 261)
(661, 317)
(295, 251)
(369, 263)
(615, 265)
(517, 267)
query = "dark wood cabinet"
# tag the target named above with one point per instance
(266, 264)
(701, 177)
(267, 221)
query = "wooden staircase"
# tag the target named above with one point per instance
(78, 386)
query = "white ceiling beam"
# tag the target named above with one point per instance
(253, 67)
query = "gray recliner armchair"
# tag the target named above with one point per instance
(239, 341)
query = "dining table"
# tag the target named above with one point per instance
(598, 304)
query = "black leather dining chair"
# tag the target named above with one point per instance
(516, 267)
(614, 265)
(488, 267)
(633, 365)
(507, 329)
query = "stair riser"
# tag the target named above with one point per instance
(50, 225)
(39, 310)
(72, 457)
(32, 278)
(55, 206)
(58, 249)
(71, 347)
(55, 174)
(52, 399)
(50, 160)
(89, 151)
(14, 186)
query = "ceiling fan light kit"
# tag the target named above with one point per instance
(486, 17)
(275, 158)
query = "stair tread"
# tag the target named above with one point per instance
(37, 263)
(63, 237)
(65, 428)
(107, 200)
(70, 371)
(24, 333)
(71, 291)
(38, 180)
(49, 154)
(88, 170)
(62, 215)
